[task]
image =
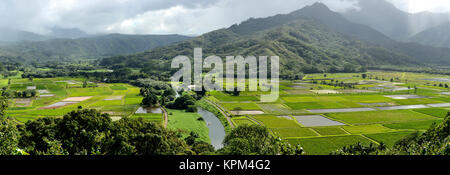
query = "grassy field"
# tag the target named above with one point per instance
(325, 131)
(243, 121)
(417, 125)
(389, 138)
(188, 122)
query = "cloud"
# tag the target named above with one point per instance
(178, 19)
(148, 16)
(422, 5)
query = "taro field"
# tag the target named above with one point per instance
(324, 112)
(57, 96)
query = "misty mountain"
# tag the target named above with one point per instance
(391, 21)
(418, 52)
(437, 36)
(68, 33)
(92, 47)
(11, 35)
(304, 44)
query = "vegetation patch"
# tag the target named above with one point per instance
(389, 138)
(241, 106)
(293, 132)
(188, 122)
(276, 122)
(373, 117)
(326, 145)
(327, 131)
(243, 121)
(366, 129)
(436, 112)
(118, 87)
(416, 125)
(274, 108)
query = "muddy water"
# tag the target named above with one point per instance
(216, 129)
(143, 110)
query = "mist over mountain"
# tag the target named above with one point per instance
(12, 35)
(91, 47)
(438, 36)
(68, 33)
(418, 52)
(393, 22)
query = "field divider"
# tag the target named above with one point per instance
(166, 117)
(315, 131)
(256, 121)
(372, 140)
(322, 136)
(222, 111)
(345, 130)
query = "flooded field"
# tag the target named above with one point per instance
(246, 112)
(403, 97)
(445, 80)
(58, 105)
(403, 107)
(318, 111)
(316, 120)
(149, 110)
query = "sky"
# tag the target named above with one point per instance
(188, 17)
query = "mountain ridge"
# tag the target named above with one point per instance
(393, 22)
(90, 47)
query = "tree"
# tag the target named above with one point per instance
(85, 84)
(238, 110)
(169, 92)
(256, 140)
(150, 100)
(183, 102)
(9, 137)
(88, 132)
(190, 140)
(360, 149)
(364, 76)
(141, 137)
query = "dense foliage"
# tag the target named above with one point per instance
(256, 140)
(88, 132)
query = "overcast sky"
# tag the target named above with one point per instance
(189, 17)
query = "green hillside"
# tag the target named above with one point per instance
(91, 47)
(304, 45)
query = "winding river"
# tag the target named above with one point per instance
(216, 129)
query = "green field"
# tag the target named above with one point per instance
(293, 132)
(188, 122)
(297, 97)
(374, 117)
(417, 125)
(436, 112)
(122, 100)
(108, 98)
(325, 131)
(389, 138)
